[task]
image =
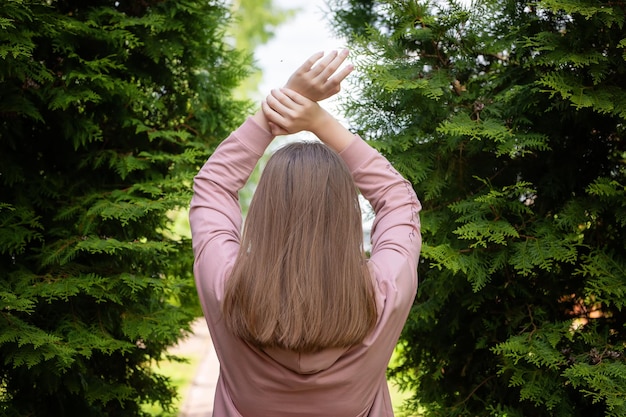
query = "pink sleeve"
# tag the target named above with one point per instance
(215, 214)
(396, 238)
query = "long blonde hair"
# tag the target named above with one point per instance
(300, 280)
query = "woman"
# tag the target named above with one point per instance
(302, 323)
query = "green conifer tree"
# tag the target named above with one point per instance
(510, 120)
(107, 110)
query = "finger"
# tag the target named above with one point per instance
(323, 63)
(341, 75)
(308, 64)
(277, 130)
(279, 101)
(295, 98)
(332, 66)
(271, 115)
(283, 105)
(291, 100)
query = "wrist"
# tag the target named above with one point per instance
(321, 122)
(261, 120)
(334, 134)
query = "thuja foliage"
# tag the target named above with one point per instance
(107, 109)
(509, 119)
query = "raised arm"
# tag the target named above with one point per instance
(215, 214)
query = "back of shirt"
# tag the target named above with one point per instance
(333, 382)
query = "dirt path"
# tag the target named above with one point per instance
(198, 399)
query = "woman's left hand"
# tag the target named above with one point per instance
(319, 77)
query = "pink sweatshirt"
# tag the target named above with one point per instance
(277, 383)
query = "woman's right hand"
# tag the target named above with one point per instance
(316, 78)
(290, 112)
